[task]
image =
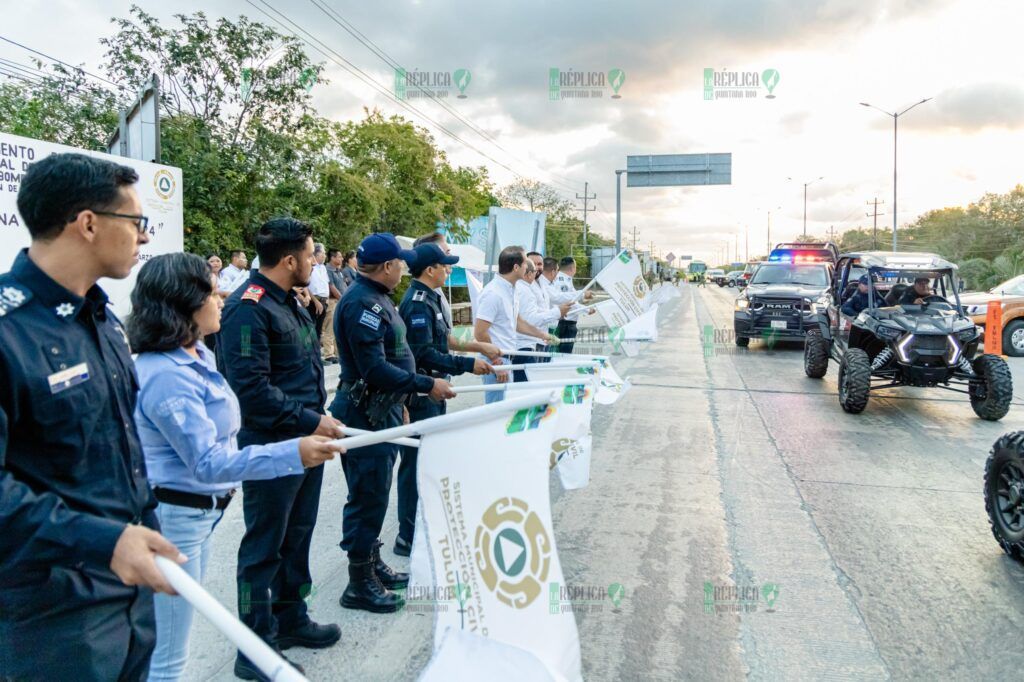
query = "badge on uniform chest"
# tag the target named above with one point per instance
(65, 379)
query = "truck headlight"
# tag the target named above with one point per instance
(967, 335)
(888, 333)
(742, 304)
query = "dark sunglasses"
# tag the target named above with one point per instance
(141, 221)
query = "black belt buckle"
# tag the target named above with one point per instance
(181, 498)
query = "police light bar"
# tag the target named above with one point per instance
(781, 256)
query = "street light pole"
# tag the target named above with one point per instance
(895, 118)
(811, 182)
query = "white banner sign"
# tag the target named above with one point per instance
(622, 280)
(160, 190)
(487, 529)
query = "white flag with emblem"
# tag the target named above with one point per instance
(572, 443)
(622, 279)
(616, 320)
(486, 522)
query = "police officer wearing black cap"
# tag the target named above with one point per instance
(271, 357)
(77, 569)
(378, 374)
(423, 314)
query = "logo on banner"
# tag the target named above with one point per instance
(639, 287)
(565, 447)
(575, 394)
(513, 552)
(530, 418)
(625, 257)
(163, 183)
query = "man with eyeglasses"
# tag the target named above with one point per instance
(79, 541)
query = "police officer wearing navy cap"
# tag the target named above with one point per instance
(378, 374)
(271, 357)
(77, 569)
(422, 311)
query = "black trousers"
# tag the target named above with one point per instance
(519, 375)
(79, 625)
(408, 494)
(318, 319)
(566, 330)
(273, 558)
(368, 473)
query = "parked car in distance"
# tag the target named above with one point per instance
(1011, 295)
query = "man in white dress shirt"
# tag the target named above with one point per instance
(561, 290)
(497, 314)
(535, 307)
(234, 274)
(320, 288)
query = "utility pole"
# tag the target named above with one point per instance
(746, 243)
(874, 227)
(586, 197)
(634, 237)
(831, 233)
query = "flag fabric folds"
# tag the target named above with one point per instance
(490, 545)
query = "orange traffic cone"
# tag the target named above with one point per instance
(994, 328)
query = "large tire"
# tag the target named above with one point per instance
(854, 380)
(742, 341)
(1013, 338)
(815, 355)
(992, 392)
(1004, 493)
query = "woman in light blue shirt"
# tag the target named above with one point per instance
(188, 419)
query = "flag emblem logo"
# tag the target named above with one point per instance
(513, 552)
(639, 287)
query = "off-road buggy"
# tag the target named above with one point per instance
(1004, 493)
(901, 338)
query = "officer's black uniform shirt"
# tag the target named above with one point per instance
(372, 342)
(72, 471)
(428, 331)
(271, 358)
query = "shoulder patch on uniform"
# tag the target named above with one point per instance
(253, 293)
(418, 321)
(12, 298)
(377, 308)
(368, 319)
(419, 295)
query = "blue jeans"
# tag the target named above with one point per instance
(495, 396)
(190, 530)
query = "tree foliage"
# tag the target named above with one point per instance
(985, 238)
(237, 118)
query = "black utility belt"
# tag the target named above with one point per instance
(180, 498)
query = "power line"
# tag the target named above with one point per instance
(345, 64)
(337, 18)
(54, 59)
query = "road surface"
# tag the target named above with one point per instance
(757, 530)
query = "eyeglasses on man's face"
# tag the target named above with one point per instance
(141, 221)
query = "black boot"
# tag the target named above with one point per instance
(366, 592)
(247, 670)
(389, 577)
(402, 546)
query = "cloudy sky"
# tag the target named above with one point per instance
(830, 55)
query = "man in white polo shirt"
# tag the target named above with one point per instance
(497, 313)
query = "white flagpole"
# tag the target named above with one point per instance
(553, 354)
(509, 368)
(254, 648)
(547, 383)
(449, 421)
(411, 442)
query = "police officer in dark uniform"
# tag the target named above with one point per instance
(428, 330)
(77, 569)
(271, 358)
(378, 374)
